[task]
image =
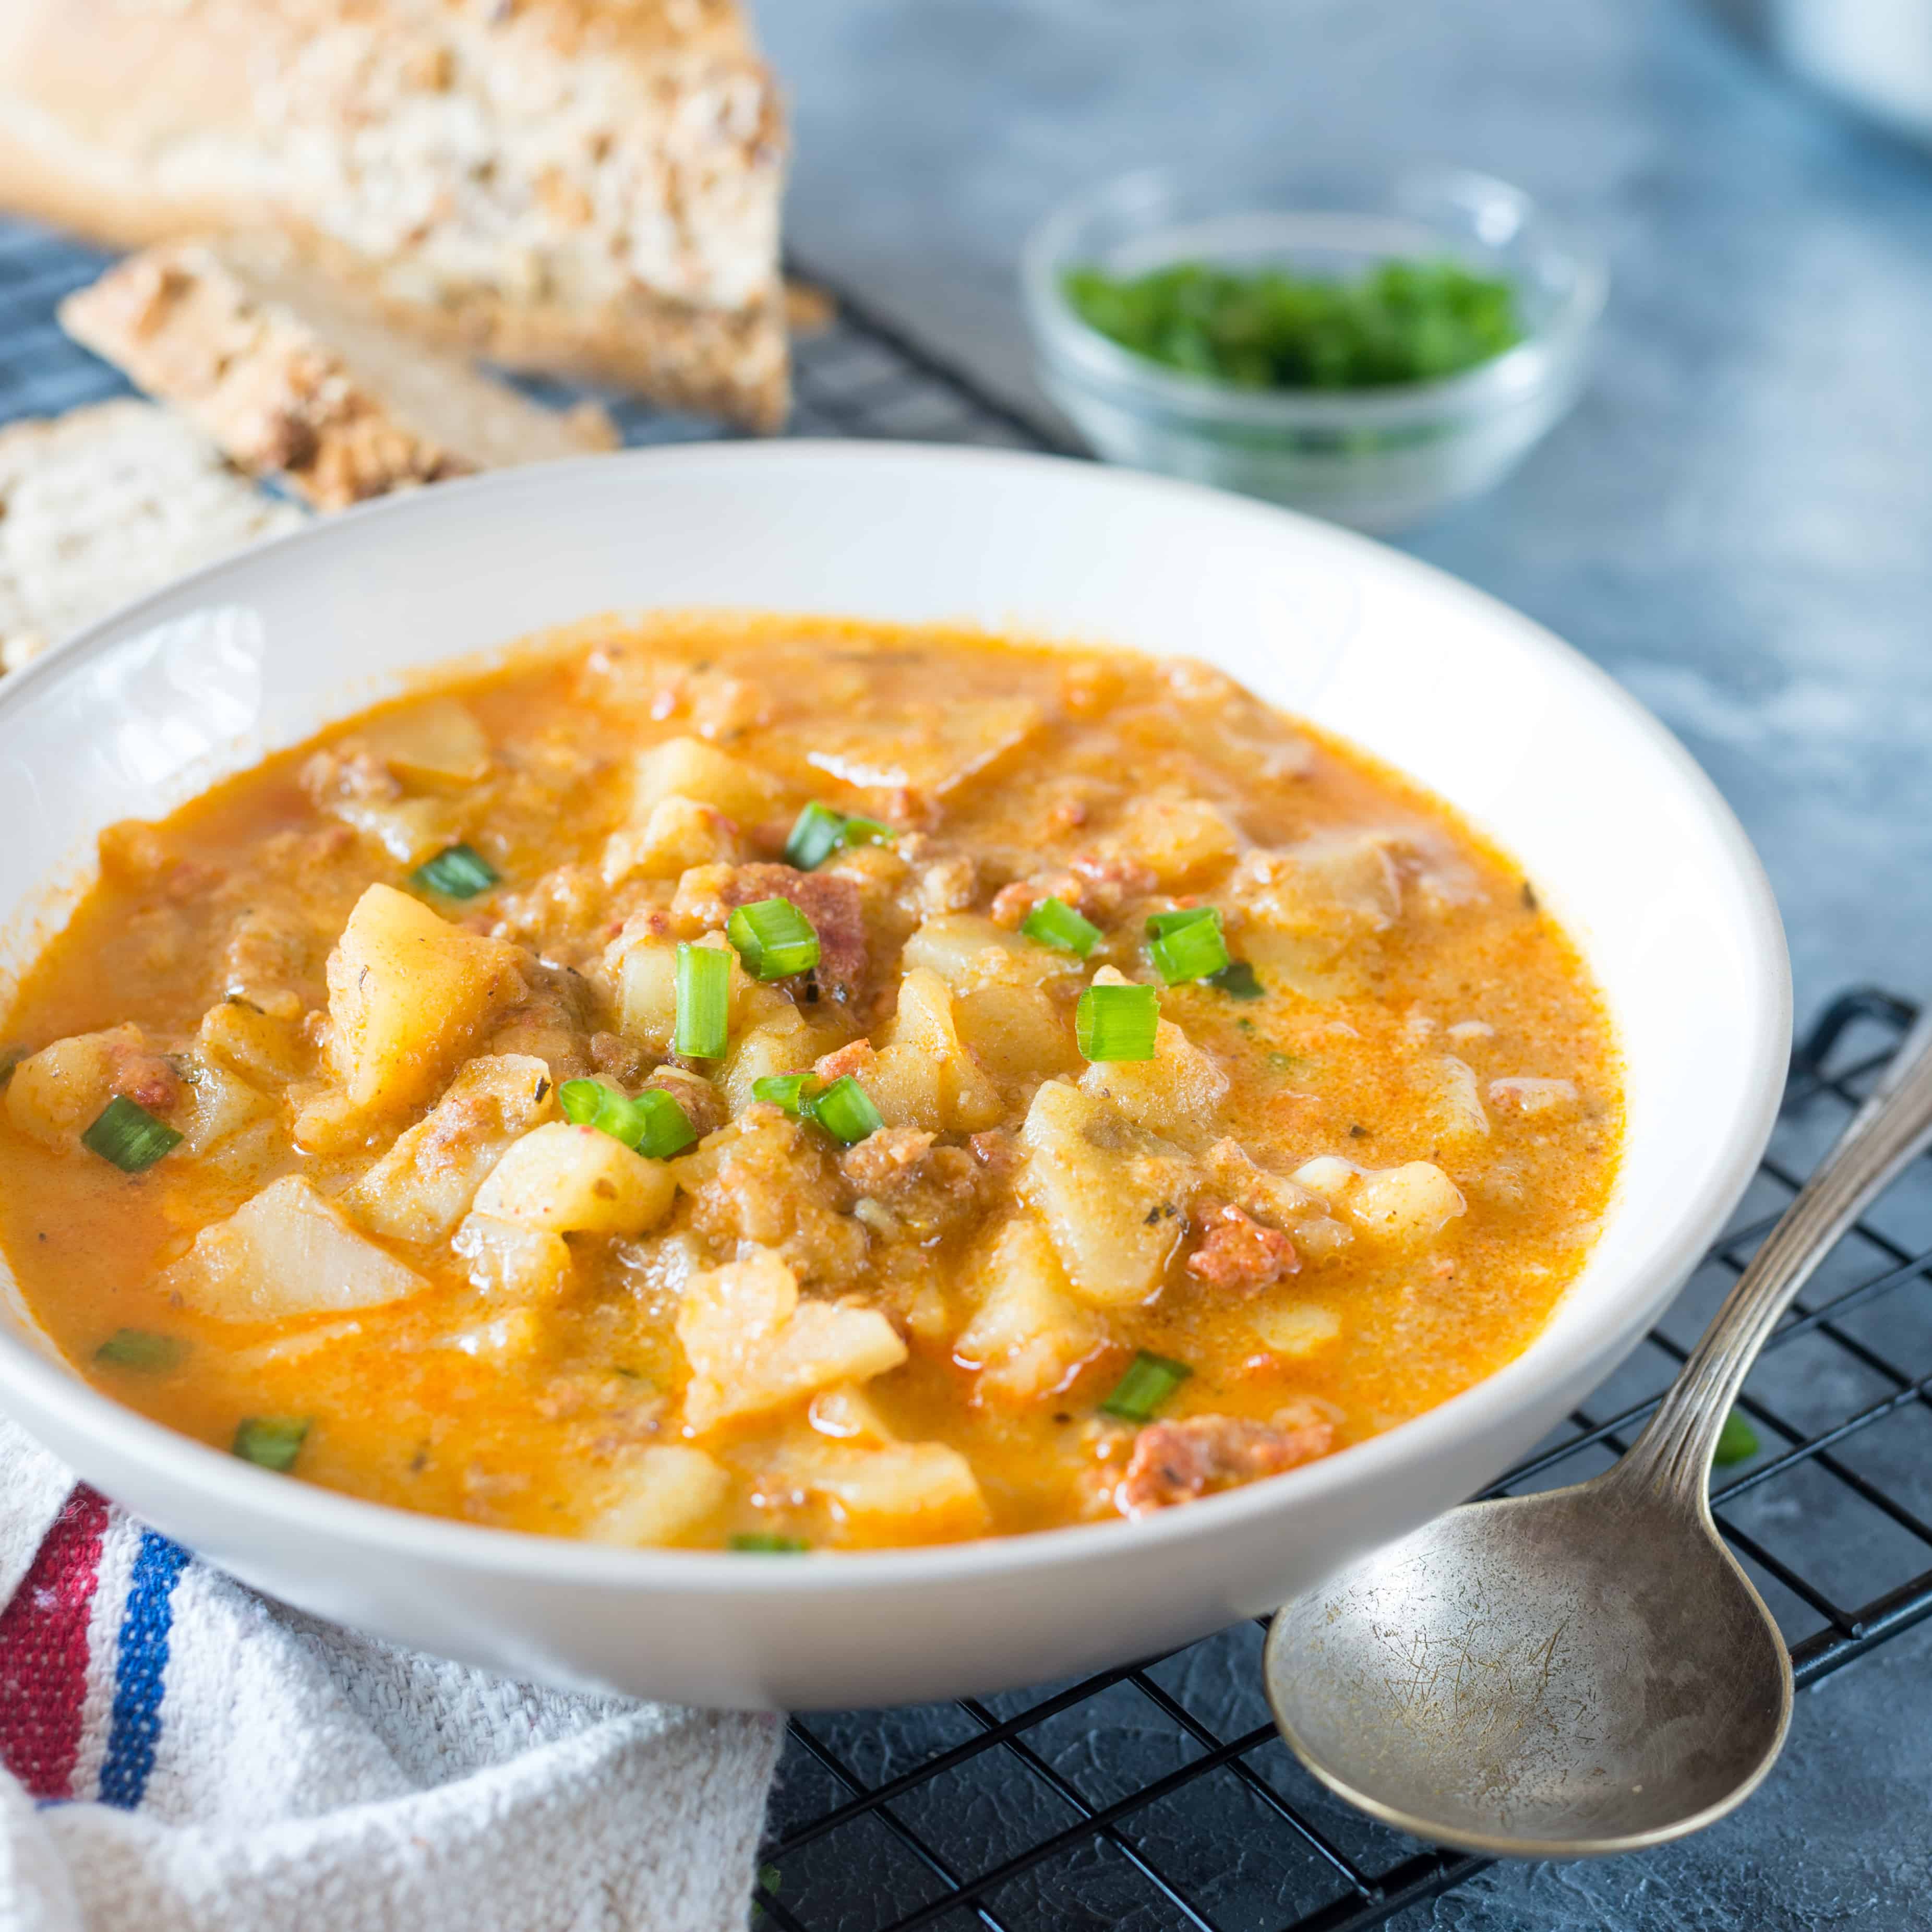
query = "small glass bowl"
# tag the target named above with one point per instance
(1379, 459)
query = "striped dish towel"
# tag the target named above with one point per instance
(179, 1752)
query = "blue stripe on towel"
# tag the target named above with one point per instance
(141, 1662)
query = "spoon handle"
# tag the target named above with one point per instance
(1673, 1454)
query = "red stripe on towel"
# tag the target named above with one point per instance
(43, 1650)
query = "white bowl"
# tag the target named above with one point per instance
(1617, 829)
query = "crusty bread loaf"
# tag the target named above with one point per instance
(582, 186)
(289, 374)
(105, 504)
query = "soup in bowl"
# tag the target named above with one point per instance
(1053, 1146)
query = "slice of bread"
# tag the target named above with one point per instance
(105, 504)
(289, 374)
(585, 187)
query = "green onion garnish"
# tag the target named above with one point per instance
(818, 832)
(580, 1100)
(141, 1349)
(1237, 979)
(1737, 1441)
(271, 1442)
(11, 1057)
(791, 1092)
(1117, 1022)
(773, 938)
(1150, 1380)
(1055, 922)
(130, 1136)
(845, 1110)
(653, 1124)
(1187, 944)
(460, 872)
(703, 1002)
(766, 1542)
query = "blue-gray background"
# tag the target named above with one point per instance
(1737, 523)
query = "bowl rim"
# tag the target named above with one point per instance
(43, 1381)
(1074, 349)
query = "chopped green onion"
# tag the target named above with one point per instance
(1055, 922)
(1150, 1380)
(845, 1110)
(1737, 1441)
(581, 1101)
(141, 1349)
(1187, 944)
(773, 938)
(818, 832)
(703, 1002)
(653, 1125)
(1117, 1022)
(460, 872)
(766, 1542)
(791, 1092)
(1160, 924)
(1238, 980)
(271, 1442)
(1283, 1063)
(663, 1127)
(130, 1136)
(11, 1057)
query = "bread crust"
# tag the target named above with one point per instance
(583, 186)
(274, 365)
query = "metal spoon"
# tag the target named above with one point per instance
(1587, 1670)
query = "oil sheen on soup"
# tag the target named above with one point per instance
(781, 1084)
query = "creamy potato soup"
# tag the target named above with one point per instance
(777, 1085)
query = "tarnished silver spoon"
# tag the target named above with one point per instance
(1587, 1670)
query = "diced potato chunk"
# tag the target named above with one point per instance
(218, 1104)
(1177, 839)
(1018, 1034)
(1110, 1207)
(919, 1491)
(56, 1094)
(507, 1258)
(783, 1044)
(287, 1252)
(1029, 1335)
(846, 1414)
(664, 1493)
(680, 833)
(1177, 1094)
(423, 1186)
(924, 1076)
(1458, 1103)
(931, 748)
(754, 1346)
(1411, 1204)
(437, 742)
(646, 971)
(1407, 1205)
(573, 1180)
(968, 951)
(1294, 1328)
(688, 768)
(259, 1045)
(407, 992)
(411, 830)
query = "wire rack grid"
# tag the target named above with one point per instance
(1157, 1795)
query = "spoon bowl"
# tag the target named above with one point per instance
(1537, 1677)
(1585, 1670)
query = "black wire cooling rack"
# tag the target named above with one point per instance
(1157, 1795)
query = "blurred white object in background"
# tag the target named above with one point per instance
(1874, 56)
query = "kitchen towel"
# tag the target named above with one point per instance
(179, 1752)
